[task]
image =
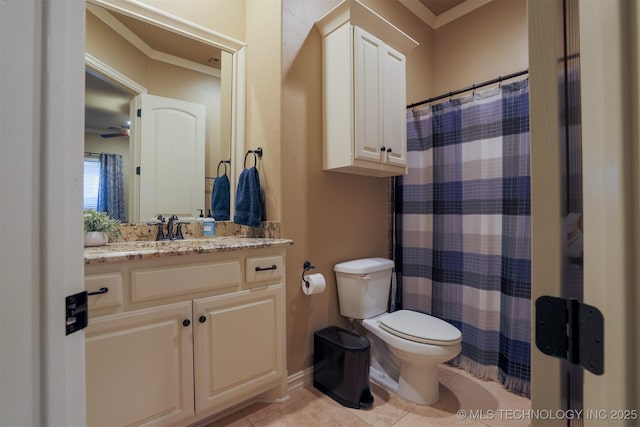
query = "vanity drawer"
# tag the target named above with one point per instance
(112, 298)
(260, 269)
(156, 283)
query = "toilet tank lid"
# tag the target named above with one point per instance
(364, 266)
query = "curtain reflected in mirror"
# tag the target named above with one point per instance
(103, 188)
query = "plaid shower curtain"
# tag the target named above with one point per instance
(462, 228)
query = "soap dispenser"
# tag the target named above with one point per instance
(208, 224)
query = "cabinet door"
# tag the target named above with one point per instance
(139, 367)
(368, 60)
(395, 118)
(239, 346)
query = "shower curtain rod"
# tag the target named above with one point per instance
(467, 89)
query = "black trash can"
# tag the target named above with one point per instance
(341, 361)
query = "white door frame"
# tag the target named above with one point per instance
(42, 70)
(609, 40)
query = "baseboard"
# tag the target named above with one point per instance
(300, 379)
(294, 382)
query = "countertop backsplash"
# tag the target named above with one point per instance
(143, 232)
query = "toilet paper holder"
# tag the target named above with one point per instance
(306, 266)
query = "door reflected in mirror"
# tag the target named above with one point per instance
(127, 57)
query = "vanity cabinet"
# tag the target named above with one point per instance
(364, 92)
(139, 367)
(193, 335)
(238, 340)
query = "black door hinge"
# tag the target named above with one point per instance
(137, 170)
(76, 312)
(569, 329)
(139, 112)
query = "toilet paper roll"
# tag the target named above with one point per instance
(316, 284)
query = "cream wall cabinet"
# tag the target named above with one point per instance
(166, 357)
(364, 92)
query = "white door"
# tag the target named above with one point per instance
(169, 140)
(41, 117)
(610, 195)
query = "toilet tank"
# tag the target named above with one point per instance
(363, 287)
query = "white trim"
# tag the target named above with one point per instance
(295, 381)
(184, 63)
(61, 247)
(106, 70)
(421, 11)
(300, 379)
(164, 20)
(437, 21)
(120, 29)
(143, 47)
(21, 35)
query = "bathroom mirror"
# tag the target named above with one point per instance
(133, 50)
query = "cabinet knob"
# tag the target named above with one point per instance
(186, 322)
(389, 150)
(202, 318)
(383, 148)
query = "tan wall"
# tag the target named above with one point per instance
(112, 49)
(332, 217)
(486, 43)
(264, 77)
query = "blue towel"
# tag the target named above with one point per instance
(220, 198)
(248, 199)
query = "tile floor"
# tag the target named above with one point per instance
(481, 403)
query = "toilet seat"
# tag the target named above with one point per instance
(420, 327)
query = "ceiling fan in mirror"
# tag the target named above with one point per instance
(116, 132)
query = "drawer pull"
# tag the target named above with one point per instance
(99, 292)
(273, 267)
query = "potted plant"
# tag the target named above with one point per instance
(98, 227)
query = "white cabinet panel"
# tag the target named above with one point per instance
(139, 367)
(156, 283)
(368, 98)
(239, 345)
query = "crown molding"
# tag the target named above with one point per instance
(445, 18)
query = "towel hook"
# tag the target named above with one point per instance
(222, 162)
(256, 153)
(307, 266)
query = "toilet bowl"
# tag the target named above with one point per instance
(406, 346)
(416, 361)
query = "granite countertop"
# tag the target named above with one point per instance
(129, 251)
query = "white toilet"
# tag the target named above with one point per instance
(406, 346)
